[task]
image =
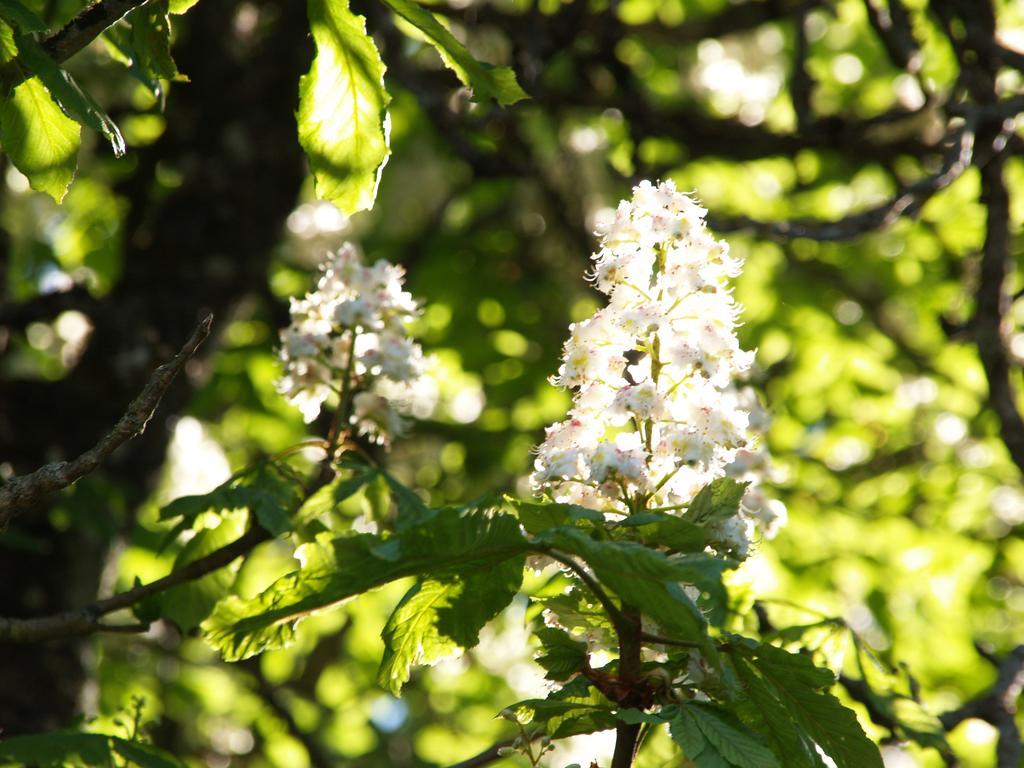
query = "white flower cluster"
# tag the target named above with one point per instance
(348, 338)
(656, 414)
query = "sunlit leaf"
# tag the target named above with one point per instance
(452, 544)
(486, 81)
(438, 616)
(39, 138)
(343, 121)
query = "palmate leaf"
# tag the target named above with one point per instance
(189, 603)
(94, 749)
(266, 491)
(486, 81)
(573, 709)
(343, 122)
(562, 656)
(642, 577)
(793, 707)
(439, 615)
(453, 544)
(718, 500)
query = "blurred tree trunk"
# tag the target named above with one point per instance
(196, 248)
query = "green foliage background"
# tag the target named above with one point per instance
(905, 508)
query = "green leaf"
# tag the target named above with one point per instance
(642, 577)
(93, 749)
(661, 529)
(343, 121)
(266, 491)
(453, 544)
(21, 16)
(718, 500)
(537, 518)
(39, 138)
(705, 573)
(145, 755)
(438, 616)
(486, 81)
(409, 506)
(72, 99)
(151, 42)
(189, 603)
(732, 740)
(577, 609)
(574, 709)
(178, 7)
(792, 698)
(562, 656)
(324, 502)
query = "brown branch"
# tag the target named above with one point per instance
(992, 304)
(892, 25)
(907, 202)
(801, 84)
(86, 621)
(87, 26)
(22, 492)
(998, 707)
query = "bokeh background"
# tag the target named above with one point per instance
(905, 505)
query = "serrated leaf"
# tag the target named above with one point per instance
(642, 577)
(189, 603)
(41, 141)
(410, 509)
(265, 491)
(705, 573)
(178, 7)
(22, 17)
(486, 81)
(453, 544)
(718, 500)
(343, 123)
(793, 697)
(145, 755)
(438, 616)
(732, 740)
(93, 749)
(576, 609)
(574, 709)
(67, 93)
(539, 517)
(561, 656)
(151, 42)
(325, 500)
(661, 529)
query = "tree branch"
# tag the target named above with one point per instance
(998, 707)
(87, 26)
(86, 621)
(22, 492)
(907, 202)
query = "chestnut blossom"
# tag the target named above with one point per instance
(348, 339)
(656, 412)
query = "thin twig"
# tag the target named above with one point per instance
(22, 492)
(907, 202)
(86, 621)
(87, 26)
